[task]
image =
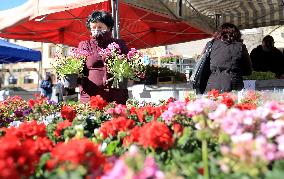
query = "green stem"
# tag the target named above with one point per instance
(205, 158)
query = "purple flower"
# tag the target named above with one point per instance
(18, 113)
(27, 112)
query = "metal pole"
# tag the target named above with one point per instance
(113, 11)
(40, 68)
(117, 19)
(38, 74)
(217, 21)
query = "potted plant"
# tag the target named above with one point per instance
(122, 67)
(69, 67)
(169, 58)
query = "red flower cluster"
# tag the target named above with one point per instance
(116, 125)
(225, 97)
(17, 158)
(170, 100)
(97, 102)
(27, 130)
(76, 152)
(246, 106)
(227, 100)
(178, 129)
(153, 134)
(251, 97)
(133, 137)
(39, 100)
(148, 111)
(156, 135)
(213, 94)
(21, 149)
(68, 112)
(60, 126)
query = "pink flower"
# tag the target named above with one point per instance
(150, 170)
(266, 150)
(174, 108)
(280, 141)
(272, 128)
(118, 110)
(276, 108)
(200, 105)
(219, 113)
(242, 138)
(120, 170)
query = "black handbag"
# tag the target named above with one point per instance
(201, 71)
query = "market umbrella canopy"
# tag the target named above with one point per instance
(243, 13)
(12, 53)
(63, 22)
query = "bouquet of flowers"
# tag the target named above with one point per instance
(71, 64)
(121, 66)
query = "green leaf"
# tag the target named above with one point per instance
(111, 147)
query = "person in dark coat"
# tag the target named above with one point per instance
(94, 82)
(266, 57)
(229, 60)
(46, 86)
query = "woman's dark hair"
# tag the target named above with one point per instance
(228, 33)
(268, 41)
(100, 16)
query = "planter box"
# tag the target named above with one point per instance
(154, 93)
(264, 84)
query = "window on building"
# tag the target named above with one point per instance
(65, 50)
(12, 80)
(28, 79)
(52, 51)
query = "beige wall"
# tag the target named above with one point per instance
(20, 70)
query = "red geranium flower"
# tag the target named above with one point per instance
(116, 125)
(200, 171)
(97, 102)
(27, 130)
(68, 112)
(77, 152)
(178, 129)
(213, 93)
(133, 137)
(60, 126)
(156, 135)
(246, 106)
(149, 111)
(18, 157)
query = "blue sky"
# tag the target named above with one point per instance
(7, 4)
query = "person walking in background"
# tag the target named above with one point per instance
(100, 24)
(229, 60)
(46, 86)
(266, 57)
(58, 90)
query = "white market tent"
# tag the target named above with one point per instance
(207, 14)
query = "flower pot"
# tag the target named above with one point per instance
(70, 80)
(119, 84)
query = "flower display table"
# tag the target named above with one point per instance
(154, 93)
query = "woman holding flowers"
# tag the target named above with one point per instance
(94, 81)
